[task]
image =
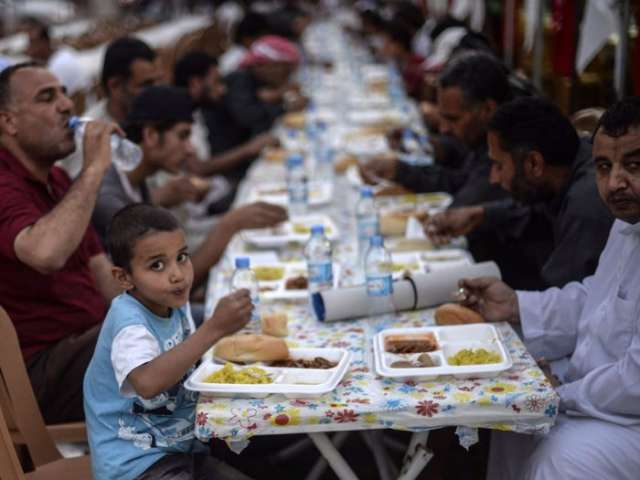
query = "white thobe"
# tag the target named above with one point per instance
(596, 322)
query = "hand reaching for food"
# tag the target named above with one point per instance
(491, 298)
(454, 222)
(378, 170)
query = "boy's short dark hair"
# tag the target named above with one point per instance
(130, 224)
(120, 55)
(194, 64)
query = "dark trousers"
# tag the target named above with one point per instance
(57, 373)
(185, 466)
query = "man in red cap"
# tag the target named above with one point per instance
(260, 90)
(257, 93)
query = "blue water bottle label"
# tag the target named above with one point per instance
(321, 274)
(379, 285)
(368, 227)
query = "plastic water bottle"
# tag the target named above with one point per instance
(297, 185)
(243, 277)
(367, 220)
(323, 153)
(125, 154)
(325, 157)
(378, 278)
(318, 253)
(409, 141)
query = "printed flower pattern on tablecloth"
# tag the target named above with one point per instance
(427, 408)
(363, 399)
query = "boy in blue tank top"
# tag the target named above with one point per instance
(140, 418)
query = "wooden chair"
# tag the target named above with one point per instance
(63, 468)
(20, 412)
(586, 120)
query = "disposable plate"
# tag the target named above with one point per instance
(320, 193)
(291, 382)
(296, 230)
(450, 339)
(276, 289)
(425, 262)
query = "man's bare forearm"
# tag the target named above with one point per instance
(47, 244)
(212, 249)
(225, 161)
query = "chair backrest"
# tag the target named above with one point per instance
(586, 120)
(18, 403)
(10, 468)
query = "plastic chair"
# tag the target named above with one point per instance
(21, 415)
(10, 469)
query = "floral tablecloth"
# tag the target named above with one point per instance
(519, 400)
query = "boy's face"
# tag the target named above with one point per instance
(161, 272)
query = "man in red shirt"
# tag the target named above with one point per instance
(55, 280)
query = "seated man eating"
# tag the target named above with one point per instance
(160, 122)
(595, 322)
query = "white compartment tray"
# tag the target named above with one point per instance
(296, 230)
(291, 382)
(276, 289)
(320, 193)
(451, 339)
(429, 261)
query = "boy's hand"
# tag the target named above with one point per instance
(232, 313)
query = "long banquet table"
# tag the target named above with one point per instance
(519, 399)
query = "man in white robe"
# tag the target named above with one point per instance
(597, 323)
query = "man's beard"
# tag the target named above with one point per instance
(524, 191)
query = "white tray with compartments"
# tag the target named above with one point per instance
(428, 261)
(288, 381)
(450, 340)
(320, 193)
(296, 230)
(276, 289)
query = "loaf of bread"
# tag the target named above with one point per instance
(249, 348)
(454, 314)
(275, 324)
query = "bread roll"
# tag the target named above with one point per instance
(200, 184)
(454, 314)
(275, 324)
(295, 120)
(249, 348)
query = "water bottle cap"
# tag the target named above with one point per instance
(242, 262)
(74, 122)
(317, 229)
(294, 160)
(366, 192)
(376, 241)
